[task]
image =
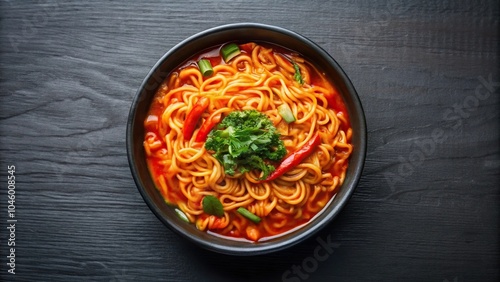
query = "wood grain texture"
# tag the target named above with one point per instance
(426, 208)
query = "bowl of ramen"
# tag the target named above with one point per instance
(246, 139)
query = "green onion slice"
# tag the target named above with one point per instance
(229, 51)
(246, 213)
(182, 215)
(286, 113)
(205, 67)
(298, 76)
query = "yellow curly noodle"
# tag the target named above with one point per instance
(261, 79)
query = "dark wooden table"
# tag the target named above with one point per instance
(426, 208)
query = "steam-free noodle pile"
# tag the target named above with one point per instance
(261, 77)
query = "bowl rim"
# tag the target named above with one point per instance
(302, 233)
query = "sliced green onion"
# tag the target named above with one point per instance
(298, 76)
(286, 113)
(246, 213)
(181, 215)
(229, 51)
(205, 67)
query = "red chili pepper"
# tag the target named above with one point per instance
(247, 47)
(295, 158)
(194, 116)
(206, 127)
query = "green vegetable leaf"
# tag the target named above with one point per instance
(297, 76)
(244, 141)
(212, 206)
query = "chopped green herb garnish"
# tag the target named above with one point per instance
(244, 141)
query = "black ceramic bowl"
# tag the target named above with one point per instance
(185, 50)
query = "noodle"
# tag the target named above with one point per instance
(260, 78)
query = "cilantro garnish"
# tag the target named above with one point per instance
(244, 141)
